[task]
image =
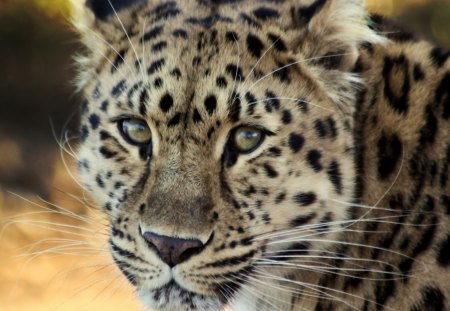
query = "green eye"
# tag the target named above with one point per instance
(246, 139)
(135, 131)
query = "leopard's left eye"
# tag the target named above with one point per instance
(135, 131)
(246, 139)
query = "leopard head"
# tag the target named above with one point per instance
(217, 136)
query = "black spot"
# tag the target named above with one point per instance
(426, 238)
(270, 171)
(234, 107)
(296, 142)
(443, 96)
(287, 117)
(265, 13)
(100, 181)
(330, 60)
(118, 60)
(158, 47)
(429, 130)
(152, 34)
(235, 72)
(439, 56)
(196, 61)
(175, 120)
(385, 289)
(396, 82)
(221, 82)
(156, 65)
(305, 14)
(303, 105)
(84, 133)
(176, 73)
(272, 102)
(166, 14)
(94, 120)
(432, 299)
(231, 36)
(405, 267)
(210, 132)
(389, 154)
(419, 75)
(313, 159)
(324, 224)
(320, 128)
(282, 72)
(332, 129)
(334, 173)
(305, 198)
(254, 45)
(443, 256)
(180, 33)
(119, 88)
(143, 102)
(277, 42)
(302, 220)
(107, 154)
(275, 152)
(252, 102)
(104, 105)
(280, 197)
(166, 103)
(104, 135)
(196, 117)
(158, 83)
(445, 201)
(211, 104)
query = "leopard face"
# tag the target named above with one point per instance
(217, 138)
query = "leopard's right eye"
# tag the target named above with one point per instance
(135, 131)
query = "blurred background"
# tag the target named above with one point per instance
(52, 241)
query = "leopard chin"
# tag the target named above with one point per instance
(172, 297)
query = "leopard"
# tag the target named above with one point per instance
(267, 154)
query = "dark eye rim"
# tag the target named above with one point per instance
(232, 145)
(126, 137)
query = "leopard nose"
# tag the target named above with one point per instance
(173, 250)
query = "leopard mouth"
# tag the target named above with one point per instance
(172, 296)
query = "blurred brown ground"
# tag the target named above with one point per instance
(36, 94)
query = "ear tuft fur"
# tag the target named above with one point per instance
(335, 27)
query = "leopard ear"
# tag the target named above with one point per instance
(328, 34)
(332, 31)
(100, 21)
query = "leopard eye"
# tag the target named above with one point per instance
(135, 131)
(246, 139)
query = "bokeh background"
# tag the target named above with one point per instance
(52, 240)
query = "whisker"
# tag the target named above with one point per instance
(129, 40)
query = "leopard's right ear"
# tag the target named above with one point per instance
(100, 24)
(100, 21)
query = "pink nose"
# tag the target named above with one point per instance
(173, 250)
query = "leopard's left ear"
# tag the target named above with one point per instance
(332, 31)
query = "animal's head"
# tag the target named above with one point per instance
(217, 136)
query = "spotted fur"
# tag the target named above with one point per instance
(345, 205)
